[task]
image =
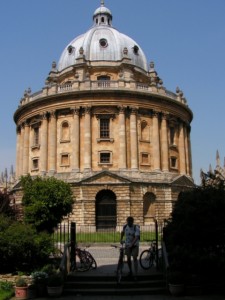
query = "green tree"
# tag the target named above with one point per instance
(195, 233)
(46, 201)
(22, 247)
(5, 207)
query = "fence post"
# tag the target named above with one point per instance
(73, 245)
(157, 242)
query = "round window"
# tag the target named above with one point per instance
(136, 49)
(70, 49)
(103, 43)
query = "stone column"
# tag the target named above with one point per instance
(87, 139)
(155, 142)
(122, 139)
(18, 148)
(21, 150)
(164, 144)
(52, 142)
(133, 139)
(26, 149)
(182, 160)
(188, 130)
(75, 139)
(44, 145)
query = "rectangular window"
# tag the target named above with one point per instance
(105, 158)
(36, 136)
(104, 128)
(64, 159)
(35, 164)
(145, 158)
(173, 162)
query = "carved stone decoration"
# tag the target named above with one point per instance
(81, 51)
(134, 110)
(125, 51)
(121, 109)
(75, 111)
(53, 114)
(87, 110)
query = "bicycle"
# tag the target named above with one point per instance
(84, 261)
(119, 270)
(148, 256)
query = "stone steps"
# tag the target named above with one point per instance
(107, 285)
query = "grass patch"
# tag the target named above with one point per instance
(100, 237)
(6, 290)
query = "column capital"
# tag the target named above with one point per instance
(75, 111)
(133, 110)
(165, 116)
(44, 115)
(18, 128)
(155, 114)
(53, 114)
(87, 110)
(121, 109)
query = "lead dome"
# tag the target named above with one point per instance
(103, 43)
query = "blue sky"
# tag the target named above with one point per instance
(185, 39)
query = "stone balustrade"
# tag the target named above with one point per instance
(104, 84)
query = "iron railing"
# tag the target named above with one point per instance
(86, 234)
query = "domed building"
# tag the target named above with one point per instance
(105, 123)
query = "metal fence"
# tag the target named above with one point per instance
(89, 235)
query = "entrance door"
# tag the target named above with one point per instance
(105, 210)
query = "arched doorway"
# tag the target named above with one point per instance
(149, 212)
(105, 210)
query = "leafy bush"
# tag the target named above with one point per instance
(6, 290)
(195, 234)
(46, 201)
(21, 282)
(39, 277)
(5, 207)
(21, 247)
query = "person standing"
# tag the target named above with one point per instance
(131, 232)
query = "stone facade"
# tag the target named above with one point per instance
(112, 130)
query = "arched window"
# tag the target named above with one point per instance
(103, 77)
(149, 212)
(144, 131)
(65, 132)
(106, 210)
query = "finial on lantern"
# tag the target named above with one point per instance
(102, 3)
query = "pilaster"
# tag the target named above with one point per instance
(155, 142)
(133, 139)
(75, 139)
(122, 139)
(164, 144)
(87, 139)
(44, 145)
(52, 142)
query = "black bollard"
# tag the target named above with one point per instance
(73, 246)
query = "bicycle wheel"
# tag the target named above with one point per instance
(146, 259)
(93, 264)
(83, 262)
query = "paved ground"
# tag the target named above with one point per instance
(106, 258)
(140, 297)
